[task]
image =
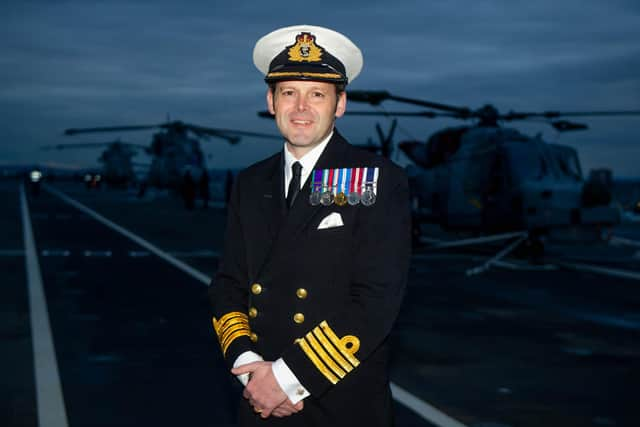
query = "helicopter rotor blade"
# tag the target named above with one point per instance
(426, 114)
(375, 97)
(74, 131)
(93, 145)
(65, 146)
(565, 125)
(514, 115)
(254, 134)
(232, 135)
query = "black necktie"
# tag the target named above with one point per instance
(294, 184)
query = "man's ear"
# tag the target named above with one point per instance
(270, 102)
(341, 105)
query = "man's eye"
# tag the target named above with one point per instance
(318, 94)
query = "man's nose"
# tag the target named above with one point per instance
(302, 103)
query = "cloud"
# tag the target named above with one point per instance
(91, 63)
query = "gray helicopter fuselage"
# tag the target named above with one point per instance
(495, 178)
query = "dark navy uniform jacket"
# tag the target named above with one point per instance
(322, 299)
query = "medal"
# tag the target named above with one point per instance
(340, 198)
(344, 186)
(314, 198)
(368, 197)
(353, 198)
(326, 198)
(316, 188)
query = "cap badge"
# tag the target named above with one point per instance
(305, 49)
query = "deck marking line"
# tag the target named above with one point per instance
(624, 241)
(49, 398)
(415, 404)
(422, 408)
(139, 240)
(625, 274)
(476, 240)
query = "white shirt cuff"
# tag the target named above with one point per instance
(243, 359)
(288, 382)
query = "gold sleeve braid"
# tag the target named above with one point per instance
(229, 327)
(332, 356)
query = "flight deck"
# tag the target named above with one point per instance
(106, 323)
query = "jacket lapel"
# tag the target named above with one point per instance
(273, 197)
(302, 212)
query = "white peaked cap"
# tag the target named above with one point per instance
(307, 52)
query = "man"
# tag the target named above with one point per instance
(317, 251)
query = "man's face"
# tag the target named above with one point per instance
(305, 111)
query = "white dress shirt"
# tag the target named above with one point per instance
(287, 380)
(308, 162)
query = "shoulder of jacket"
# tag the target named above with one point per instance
(259, 169)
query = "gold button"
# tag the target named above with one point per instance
(253, 312)
(298, 317)
(254, 337)
(297, 340)
(301, 293)
(256, 288)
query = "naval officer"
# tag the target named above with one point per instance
(316, 251)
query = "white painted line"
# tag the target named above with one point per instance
(474, 241)
(524, 267)
(197, 254)
(624, 241)
(102, 254)
(139, 254)
(139, 240)
(11, 252)
(55, 252)
(625, 274)
(49, 398)
(420, 407)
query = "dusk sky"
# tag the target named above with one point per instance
(103, 63)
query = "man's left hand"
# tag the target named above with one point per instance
(262, 391)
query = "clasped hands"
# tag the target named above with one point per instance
(263, 391)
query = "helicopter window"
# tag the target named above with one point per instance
(527, 162)
(568, 163)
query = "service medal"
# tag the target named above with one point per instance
(340, 199)
(314, 198)
(316, 187)
(368, 197)
(326, 198)
(353, 198)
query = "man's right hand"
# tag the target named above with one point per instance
(287, 408)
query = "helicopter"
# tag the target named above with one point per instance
(174, 151)
(488, 178)
(116, 159)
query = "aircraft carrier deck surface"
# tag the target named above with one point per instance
(104, 322)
